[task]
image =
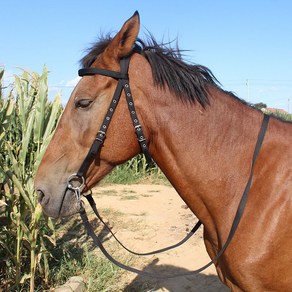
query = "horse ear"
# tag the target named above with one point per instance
(122, 44)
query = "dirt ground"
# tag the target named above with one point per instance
(149, 217)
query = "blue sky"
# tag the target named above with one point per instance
(246, 44)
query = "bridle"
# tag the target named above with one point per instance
(76, 181)
(123, 84)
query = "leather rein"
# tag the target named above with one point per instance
(76, 181)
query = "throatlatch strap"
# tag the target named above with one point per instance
(234, 226)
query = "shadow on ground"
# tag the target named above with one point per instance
(193, 283)
(72, 239)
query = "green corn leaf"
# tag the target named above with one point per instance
(26, 140)
(45, 259)
(26, 232)
(14, 166)
(6, 111)
(41, 107)
(50, 223)
(20, 101)
(54, 116)
(10, 107)
(38, 213)
(19, 186)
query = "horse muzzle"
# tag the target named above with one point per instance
(55, 206)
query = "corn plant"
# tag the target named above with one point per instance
(135, 171)
(27, 120)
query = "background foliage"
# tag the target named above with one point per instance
(27, 121)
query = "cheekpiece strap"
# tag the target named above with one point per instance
(123, 83)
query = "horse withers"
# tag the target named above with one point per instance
(202, 138)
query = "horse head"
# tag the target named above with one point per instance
(81, 119)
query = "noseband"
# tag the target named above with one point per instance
(76, 181)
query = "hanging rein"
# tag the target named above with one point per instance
(76, 181)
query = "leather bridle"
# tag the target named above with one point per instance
(76, 181)
(123, 84)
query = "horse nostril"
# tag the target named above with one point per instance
(40, 195)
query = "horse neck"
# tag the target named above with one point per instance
(205, 153)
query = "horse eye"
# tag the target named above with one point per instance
(83, 103)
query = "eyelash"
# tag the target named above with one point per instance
(83, 103)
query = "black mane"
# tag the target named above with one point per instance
(187, 81)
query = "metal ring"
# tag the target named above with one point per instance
(78, 178)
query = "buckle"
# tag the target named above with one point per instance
(100, 136)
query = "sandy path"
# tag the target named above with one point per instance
(148, 217)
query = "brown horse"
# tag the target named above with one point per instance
(201, 137)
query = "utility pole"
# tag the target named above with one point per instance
(288, 105)
(247, 89)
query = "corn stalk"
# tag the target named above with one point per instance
(27, 121)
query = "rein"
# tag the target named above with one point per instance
(76, 181)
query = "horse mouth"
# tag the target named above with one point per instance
(64, 206)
